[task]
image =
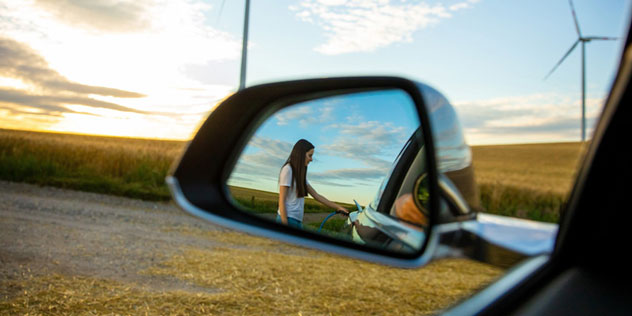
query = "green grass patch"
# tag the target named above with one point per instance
(331, 225)
(258, 201)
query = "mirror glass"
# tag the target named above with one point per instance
(359, 153)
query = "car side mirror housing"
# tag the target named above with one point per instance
(278, 160)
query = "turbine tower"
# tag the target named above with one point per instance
(244, 47)
(580, 39)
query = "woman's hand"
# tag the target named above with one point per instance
(325, 201)
(343, 211)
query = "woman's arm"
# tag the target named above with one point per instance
(324, 200)
(282, 211)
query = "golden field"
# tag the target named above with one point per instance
(538, 167)
(529, 181)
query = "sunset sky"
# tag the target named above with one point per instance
(149, 68)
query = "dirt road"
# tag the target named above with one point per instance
(46, 230)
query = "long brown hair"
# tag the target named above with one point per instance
(297, 163)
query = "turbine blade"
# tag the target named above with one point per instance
(603, 38)
(221, 9)
(579, 33)
(561, 60)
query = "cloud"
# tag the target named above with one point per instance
(366, 25)
(275, 148)
(377, 133)
(367, 142)
(359, 150)
(544, 117)
(50, 111)
(48, 91)
(72, 56)
(56, 103)
(19, 61)
(107, 15)
(293, 114)
(161, 54)
(306, 115)
(463, 5)
(263, 157)
(359, 175)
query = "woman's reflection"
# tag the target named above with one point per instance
(294, 187)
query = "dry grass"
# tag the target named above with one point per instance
(121, 166)
(114, 156)
(72, 295)
(538, 167)
(263, 282)
(528, 181)
(251, 275)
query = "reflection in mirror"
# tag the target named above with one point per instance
(350, 166)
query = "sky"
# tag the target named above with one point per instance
(156, 69)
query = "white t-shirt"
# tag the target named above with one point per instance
(294, 206)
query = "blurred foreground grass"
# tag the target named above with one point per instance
(255, 276)
(528, 181)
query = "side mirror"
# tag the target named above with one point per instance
(250, 168)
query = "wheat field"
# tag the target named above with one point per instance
(539, 167)
(527, 181)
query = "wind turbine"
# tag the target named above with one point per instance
(244, 45)
(583, 40)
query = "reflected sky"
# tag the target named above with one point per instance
(356, 139)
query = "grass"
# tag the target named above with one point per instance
(79, 295)
(536, 167)
(255, 276)
(528, 181)
(267, 202)
(127, 167)
(332, 224)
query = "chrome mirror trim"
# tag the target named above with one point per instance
(522, 236)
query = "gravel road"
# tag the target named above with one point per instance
(47, 230)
